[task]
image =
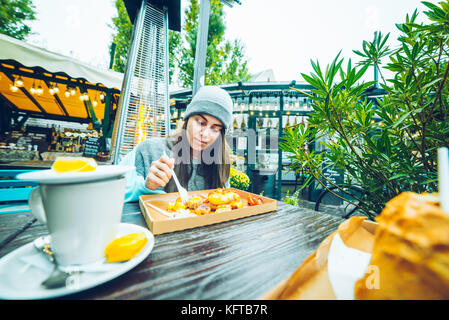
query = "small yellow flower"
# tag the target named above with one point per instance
(238, 179)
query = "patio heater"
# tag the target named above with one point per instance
(143, 108)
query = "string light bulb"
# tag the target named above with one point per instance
(19, 82)
(84, 96)
(14, 88)
(72, 91)
(67, 92)
(39, 90)
(33, 88)
(56, 88)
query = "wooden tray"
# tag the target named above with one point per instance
(159, 223)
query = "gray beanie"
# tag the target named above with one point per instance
(213, 101)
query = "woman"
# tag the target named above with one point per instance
(197, 152)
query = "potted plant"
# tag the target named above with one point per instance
(239, 179)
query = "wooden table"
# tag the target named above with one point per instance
(240, 259)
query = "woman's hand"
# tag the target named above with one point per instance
(160, 172)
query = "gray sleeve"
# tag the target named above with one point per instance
(140, 162)
(148, 151)
(135, 183)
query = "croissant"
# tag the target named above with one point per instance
(410, 253)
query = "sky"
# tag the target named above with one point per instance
(80, 29)
(282, 35)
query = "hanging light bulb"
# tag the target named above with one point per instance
(33, 88)
(51, 89)
(67, 92)
(39, 89)
(101, 96)
(84, 96)
(19, 82)
(95, 102)
(14, 87)
(56, 88)
(72, 91)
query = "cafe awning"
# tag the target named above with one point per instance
(36, 67)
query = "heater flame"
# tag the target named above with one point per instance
(141, 132)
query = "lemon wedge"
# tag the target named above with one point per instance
(126, 247)
(74, 164)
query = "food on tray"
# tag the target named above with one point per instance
(202, 209)
(74, 164)
(126, 247)
(176, 206)
(411, 250)
(254, 200)
(222, 196)
(195, 202)
(223, 208)
(218, 200)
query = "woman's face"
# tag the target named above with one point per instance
(202, 131)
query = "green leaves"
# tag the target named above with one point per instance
(14, 16)
(225, 60)
(374, 51)
(439, 14)
(385, 145)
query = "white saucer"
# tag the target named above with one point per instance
(51, 177)
(20, 280)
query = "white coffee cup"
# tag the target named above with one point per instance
(82, 218)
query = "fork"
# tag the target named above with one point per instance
(182, 191)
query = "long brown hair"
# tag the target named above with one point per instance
(215, 172)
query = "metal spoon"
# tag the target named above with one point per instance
(57, 278)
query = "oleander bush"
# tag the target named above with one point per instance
(387, 145)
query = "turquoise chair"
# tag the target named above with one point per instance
(14, 193)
